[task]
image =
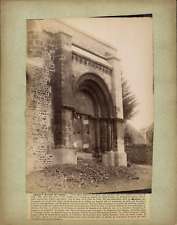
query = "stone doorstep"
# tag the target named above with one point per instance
(64, 156)
(84, 155)
(114, 159)
(70, 156)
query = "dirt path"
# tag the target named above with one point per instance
(89, 177)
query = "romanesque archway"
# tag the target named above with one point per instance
(92, 124)
(70, 110)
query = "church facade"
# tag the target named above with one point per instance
(73, 97)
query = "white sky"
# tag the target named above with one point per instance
(133, 38)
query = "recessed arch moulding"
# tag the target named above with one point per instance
(74, 97)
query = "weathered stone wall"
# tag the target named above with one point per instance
(39, 137)
(39, 113)
(79, 38)
(48, 124)
(52, 72)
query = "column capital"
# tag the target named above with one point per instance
(118, 120)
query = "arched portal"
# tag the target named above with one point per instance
(92, 126)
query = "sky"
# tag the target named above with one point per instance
(133, 39)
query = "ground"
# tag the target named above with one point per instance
(89, 176)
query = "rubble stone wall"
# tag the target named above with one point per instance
(39, 135)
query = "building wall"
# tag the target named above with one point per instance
(38, 119)
(52, 72)
(39, 113)
(79, 38)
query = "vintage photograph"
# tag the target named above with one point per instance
(89, 105)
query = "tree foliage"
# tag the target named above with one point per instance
(149, 133)
(128, 138)
(129, 100)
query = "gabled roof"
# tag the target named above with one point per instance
(136, 135)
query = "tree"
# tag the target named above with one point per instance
(150, 132)
(128, 138)
(129, 100)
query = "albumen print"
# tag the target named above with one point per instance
(89, 105)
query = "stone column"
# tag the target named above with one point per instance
(103, 135)
(97, 135)
(120, 154)
(110, 152)
(67, 122)
(63, 100)
(112, 133)
(109, 135)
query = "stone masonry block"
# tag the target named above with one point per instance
(64, 156)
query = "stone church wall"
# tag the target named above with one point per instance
(39, 134)
(79, 38)
(52, 72)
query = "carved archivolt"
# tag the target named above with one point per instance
(95, 86)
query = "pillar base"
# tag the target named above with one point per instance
(64, 156)
(104, 159)
(120, 158)
(110, 158)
